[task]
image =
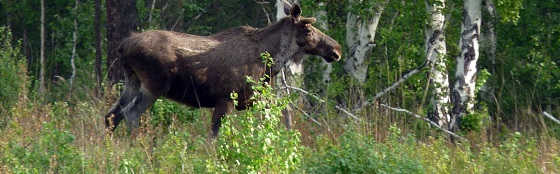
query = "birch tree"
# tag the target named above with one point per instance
(360, 36)
(463, 93)
(75, 42)
(435, 39)
(97, 28)
(42, 71)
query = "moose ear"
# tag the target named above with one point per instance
(296, 11)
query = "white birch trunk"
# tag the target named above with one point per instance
(151, 12)
(439, 79)
(360, 36)
(463, 94)
(42, 71)
(73, 57)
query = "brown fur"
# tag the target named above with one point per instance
(202, 71)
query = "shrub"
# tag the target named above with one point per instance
(52, 152)
(254, 141)
(13, 78)
(361, 154)
(165, 112)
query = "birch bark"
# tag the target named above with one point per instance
(42, 71)
(360, 36)
(75, 42)
(463, 94)
(439, 79)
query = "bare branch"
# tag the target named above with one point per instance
(425, 119)
(307, 115)
(546, 114)
(321, 100)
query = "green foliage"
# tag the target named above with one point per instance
(473, 122)
(51, 152)
(509, 10)
(166, 112)
(361, 154)
(13, 77)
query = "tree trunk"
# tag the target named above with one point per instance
(153, 5)
(465, 76)
(97, 28)
(42, 71)
(491, 33)
(439, 80)
(121, 21)
(360, 36)
(73, 57)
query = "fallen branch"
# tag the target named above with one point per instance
(425, 119)
(321, 100)
(546, 114)
(307, 115)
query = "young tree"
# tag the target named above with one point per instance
(42, 71)
(435, 39)
(121, 21)
(75, 40)
(97, 28)
(463, 94)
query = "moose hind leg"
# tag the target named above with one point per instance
(134, 109)
(222, 108)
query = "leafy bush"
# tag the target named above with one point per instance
(165, 112)
(13, 78)
(51, 153)
(255, 141)
(361, 154)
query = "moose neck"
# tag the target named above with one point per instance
(279, 40)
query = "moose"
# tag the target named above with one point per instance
(202, 71)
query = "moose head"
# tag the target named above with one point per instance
(309, 39)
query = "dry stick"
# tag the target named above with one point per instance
(546, 114)
(287, 115)
(389, 107)
(307, 115)
(425, 119)
(322, 101)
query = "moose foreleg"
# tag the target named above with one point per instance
(223, 107)
(134, 109)
(115, 115)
